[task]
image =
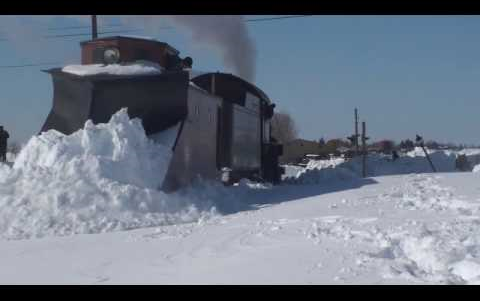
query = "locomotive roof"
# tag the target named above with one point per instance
(201, 80)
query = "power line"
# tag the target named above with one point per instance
(88, 34)
(166, 27)
(29, 65)
(81, 27)
(133, 30)
(59, 36)
(277, 18)
(170, 27)
(123, 31)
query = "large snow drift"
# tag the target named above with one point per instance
(101, 178)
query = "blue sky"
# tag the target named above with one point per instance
(406, 74)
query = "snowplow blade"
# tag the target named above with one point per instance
(162, 103)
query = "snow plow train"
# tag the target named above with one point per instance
(222, 122)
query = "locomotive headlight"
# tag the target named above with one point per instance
(111, 55)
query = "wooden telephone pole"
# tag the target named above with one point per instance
(356, 133)
(94, 27)
(364, 150)
(354, 138)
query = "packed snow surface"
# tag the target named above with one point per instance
(403, 229)
(136, 68)
(103, 177)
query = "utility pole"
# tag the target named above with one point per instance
(356, 133)
(94, 27)
(354, 138)
(364, 150)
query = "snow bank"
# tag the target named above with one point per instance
(474, 161)
(324, 175)
(101, 178)
(418, 152)
(469, 151)
(137, 68)
(320, 164)
(318, 171)
(291, 170)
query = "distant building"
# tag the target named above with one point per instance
(295, 150)
(384, 146)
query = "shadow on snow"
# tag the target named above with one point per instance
(242, 198)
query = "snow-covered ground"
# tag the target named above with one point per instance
(324, 225)
(387, 230)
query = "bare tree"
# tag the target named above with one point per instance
(283, 127)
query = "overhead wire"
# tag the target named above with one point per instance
(89, 34)
(59, 36)
(277, 18)
(29, 65)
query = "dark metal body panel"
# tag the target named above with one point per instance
(225, 133)
(71, 105)
(235, 93)
(246, 139)
(160, 101)
(195, 153)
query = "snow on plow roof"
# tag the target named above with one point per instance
(136, 68)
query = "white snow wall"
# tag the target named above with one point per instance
(103, 177)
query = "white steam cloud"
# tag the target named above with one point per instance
(228, 35)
